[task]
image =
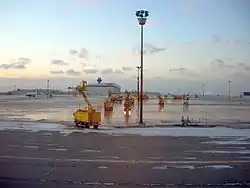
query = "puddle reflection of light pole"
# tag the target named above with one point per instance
(229, 89)
(142, 18)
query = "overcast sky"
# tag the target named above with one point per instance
(187, 43)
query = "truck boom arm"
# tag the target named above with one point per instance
(86, 99)
(81, 88)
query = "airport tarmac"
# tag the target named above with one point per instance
(60, 109)
(51, 159)
(36, 154)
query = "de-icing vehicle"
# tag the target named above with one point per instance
(128, 104)
(88, 116)
(161, 100)
(108, 103)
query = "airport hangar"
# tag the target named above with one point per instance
(102, 89)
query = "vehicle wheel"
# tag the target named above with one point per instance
(87, 126)
(82, 124)
(77, 124)
(95, 126)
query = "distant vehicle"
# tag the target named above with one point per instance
(31, 94)
(246, 93)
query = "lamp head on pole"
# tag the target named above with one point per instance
(142, 16)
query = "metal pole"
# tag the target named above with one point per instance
(203, 91)
(47, 89)
(229, 90)
(141, 95)
(138, 89)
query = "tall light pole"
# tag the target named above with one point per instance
(229, 89)
(47, 89)
(138, 87)
(142, 18)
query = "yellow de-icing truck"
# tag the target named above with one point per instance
(88, 116)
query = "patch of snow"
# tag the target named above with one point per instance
(190, 158)
(154, 157)
(31, 147)
(221, 151)
(218, 166)
(14, 146)
(160, 167)
(109, 157)
(155, 131)
(180, 131)
(102, 167)
(90, 151)
(233, 142)
(58, 149)
(190, 167)
(245, 157)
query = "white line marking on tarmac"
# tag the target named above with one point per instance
(154, 157)
(58, 149)
(125, 161)
(31, 147)
(190, 167)
(190, 158)
(90, 151)
(109, 157)
(218, 166)
(13, 146)
(102, 167)
(160, 167)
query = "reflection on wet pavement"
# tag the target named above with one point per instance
(62, 108)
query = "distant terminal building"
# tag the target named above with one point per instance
(102, 89)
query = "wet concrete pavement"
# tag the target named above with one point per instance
(60, 108)
(50, 159)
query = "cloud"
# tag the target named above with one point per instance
(73, 52)
(24, 59)
(57, 72)
(184, 72)
(124, 68)
(91, 71)
(20, 63)
(241, 68)
(107, 71)
(118, 71)
(72, 72)
(220, 64)
(216, 38)
(238, 41)
(59, 62)
(83, 54)
(69, 72)
(110, 71)
(177, 70)
(149, 49)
